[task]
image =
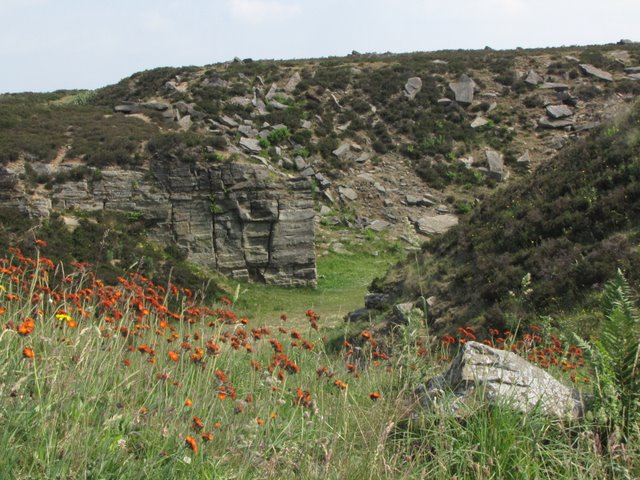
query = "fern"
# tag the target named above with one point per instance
(615, 358)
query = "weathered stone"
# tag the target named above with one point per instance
(558, 87)
(379, 225)
(157, 106)
(634, 76)
(185, 122)
(499, 377)
(228, 121)
(323, 181)
(435, 224)
(495, 161)
(127, 108)
(347, 193)
(342, 150)
(401, 312)
(248, 131)
(277, 105)
(533, 78)
(412, 87)
(566, 98)
(479, 122)
(300, 163)
(559, 111)
(632, 70)
(545, 122)
(463, 89)
(596, 72)
(444, 101)
(293, 83)
(524, 159)
(376, 301)
(411, 200)
(251, 145)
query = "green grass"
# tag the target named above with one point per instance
(102, 398)
(343, 281)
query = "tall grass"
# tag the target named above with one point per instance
(139, 380)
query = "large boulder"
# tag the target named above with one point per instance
(500, 377)
(596, 72)
(412, 87)
(463, 89)
(435, 224)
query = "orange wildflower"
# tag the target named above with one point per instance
(374, 395)
(27, 352)
(188, 402)
(340, 384)
(191, 443)
(173, 356)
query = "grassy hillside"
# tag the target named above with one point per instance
(543, 245)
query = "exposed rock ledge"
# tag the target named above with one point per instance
(234, 218)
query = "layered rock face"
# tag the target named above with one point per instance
(235, 218)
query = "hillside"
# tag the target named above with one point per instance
(398, 147)
(543, 246)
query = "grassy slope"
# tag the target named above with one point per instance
(103, 398)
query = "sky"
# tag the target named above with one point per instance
(47, 45)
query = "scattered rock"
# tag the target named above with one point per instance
(363, 158)
(559, 111)
(431, 225)
(625, 41)
(479, 122)
(127, 108)
(558, 87)
(251, 145)
(401, 313)
(157, 106)
(293, 83)
(379, 225)
(545, 122)
(634, 76)
(347, 193)
(495, 161)
(412, 87)
(342, 150)
(324, 210)
(322, 181)
(533, 78)
(501, 377)
(185, 122)
(300, 163)
(411, 200)
(632, 70)
(445, 101)
(376, 301)
(524, 159)
(596, 72)
(463, 89)
(228, 121)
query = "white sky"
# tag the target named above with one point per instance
(54, 44)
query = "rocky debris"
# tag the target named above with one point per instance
(251, 145)
(379, 225)
(524, 159)
(127, 109)
(495, 161)
(300, 163)
(412, 87)
(401, 313)
(277, 105)
(363, 157)
(347, 193)
(435, 224)
(444, 101)
(634, 76)
(228, 121)
(596, 72)
(547, 123)
(625, 41)
(479, 122)
(376, 301)
(533, 78)
(248, 131)
(558, 87)
(463, 89)
(566, 98)
(631, 70)
(499, 377)
(322, 181)
(185, 122)
(292, 83)
(559, 111)
(342, 150)
(157, 106)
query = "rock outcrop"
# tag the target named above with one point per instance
(231, 217)
(500, 377)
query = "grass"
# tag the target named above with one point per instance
(139, 380)
(343, 281)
